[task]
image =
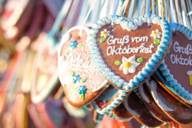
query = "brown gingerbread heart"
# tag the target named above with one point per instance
(127, 51)
(176, 71)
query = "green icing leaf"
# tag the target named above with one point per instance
(117, 62)
(83, 80)
(102, 39)
(140, 60)
(156, 41)
(82, 96)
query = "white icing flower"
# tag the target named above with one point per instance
(156, 34)
(128, 65)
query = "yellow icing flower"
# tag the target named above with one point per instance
(103, 35)
(189, 73)
(156, 34)
(128, 65)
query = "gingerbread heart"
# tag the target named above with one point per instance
(81, 80)
(177, 66)
(127, 51)
(45, 76)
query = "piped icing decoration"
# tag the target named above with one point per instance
(128, 65)
(76, 78)
(82, 91)
(126, 51)
(103, 35)
(156, 35)
(177, 66)
(74, 44)
(80, 78)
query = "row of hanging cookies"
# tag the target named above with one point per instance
(133, 64)
(35, 71)
(31, 95)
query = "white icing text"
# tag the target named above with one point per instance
(118, 46)
(183, 56)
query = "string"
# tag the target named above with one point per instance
(104, 9)
(87, 16)
(139, 7)
(126, 10)
(131, 8)
(116, 3)
(156, 7)
(161, 9)
(173, 15)
(144, 7)
(184, 14)
(85, 8)
(178, 10)
(148, 12)
(153, 8)
(62, 13)
(189, 3)
(122, 7)
(189, 13)
(189, 9)
(89, 12)
(109, 8)
(95, 13)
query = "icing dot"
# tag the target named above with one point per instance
(73, 44)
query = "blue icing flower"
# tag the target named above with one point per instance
(76, 78)
(73, 44)
(82, 91)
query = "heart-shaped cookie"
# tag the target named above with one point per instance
(176, 110)
(81, 80)
(45, 76)
(127, 51)
(177, 66)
